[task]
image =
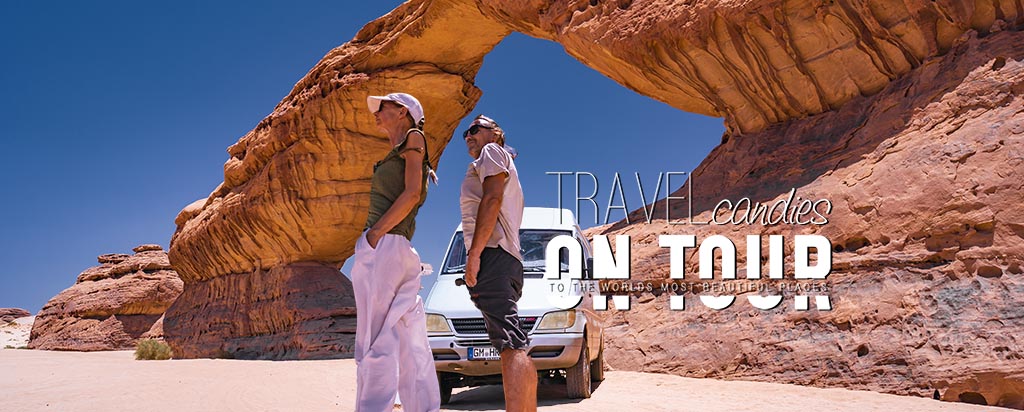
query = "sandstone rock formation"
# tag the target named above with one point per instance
(111, 305)
(928, 243)
(156, 331)
(10, 314)
(294, 196)
(754, 62)
(890, 109)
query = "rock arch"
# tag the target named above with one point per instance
(799, 84)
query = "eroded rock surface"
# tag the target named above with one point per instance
(754, 62)
(926, 287)
(295, 189)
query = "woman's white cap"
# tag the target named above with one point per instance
(404, 99)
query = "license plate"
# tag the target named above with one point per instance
(483, 353)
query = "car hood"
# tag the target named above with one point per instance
(453, 301)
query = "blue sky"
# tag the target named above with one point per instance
(118, 114)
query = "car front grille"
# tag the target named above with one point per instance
(475, 326)
(473, 342)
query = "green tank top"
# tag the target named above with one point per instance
(389, 182)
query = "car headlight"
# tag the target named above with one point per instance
(437, 324)
(563, 319)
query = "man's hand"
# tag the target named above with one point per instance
(373, 237)
(472, 268)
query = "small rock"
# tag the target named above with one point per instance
(147, 247)
(112, 258)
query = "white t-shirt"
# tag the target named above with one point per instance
(493, 160)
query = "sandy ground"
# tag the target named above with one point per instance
(16, 335)
(32, 380)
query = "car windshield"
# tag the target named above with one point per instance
(532, 245)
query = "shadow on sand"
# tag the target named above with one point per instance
(491, 397)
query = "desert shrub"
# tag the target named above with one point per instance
(152, 349)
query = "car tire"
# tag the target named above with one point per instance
(577, 377)
(597, 366)
(446, 388)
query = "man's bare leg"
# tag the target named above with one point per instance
(519, 379)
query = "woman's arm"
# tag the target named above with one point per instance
(413, 154)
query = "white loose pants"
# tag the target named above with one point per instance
(392, 351)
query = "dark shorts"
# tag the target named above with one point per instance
(499, 284)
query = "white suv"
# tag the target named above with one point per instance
(564, 344)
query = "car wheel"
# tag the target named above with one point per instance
(577, 378)
(597, 366)
(446, 389)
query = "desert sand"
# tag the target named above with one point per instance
(16, 333)
(36, 380)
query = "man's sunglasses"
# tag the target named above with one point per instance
(474, 129)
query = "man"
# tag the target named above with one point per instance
(492, 211)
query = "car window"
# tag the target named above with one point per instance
(455, 262)
(583, 241)
(532, 243)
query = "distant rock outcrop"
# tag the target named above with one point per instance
(10, 314)
(111, 305)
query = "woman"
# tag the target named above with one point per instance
(391, 350)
